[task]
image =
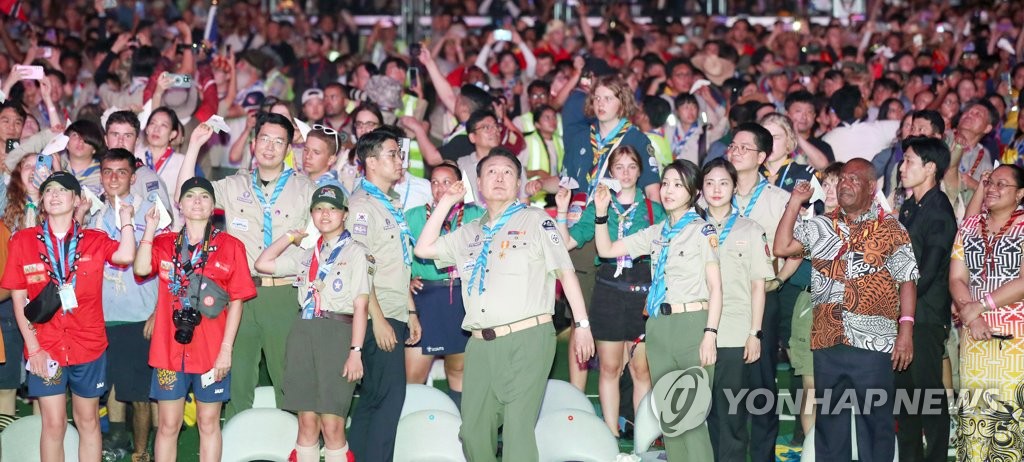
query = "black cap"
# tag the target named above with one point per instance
(330, 194)
(65, 179)
(197, 182)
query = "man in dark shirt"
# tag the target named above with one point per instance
(928, 217)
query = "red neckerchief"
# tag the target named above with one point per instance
(158, 165)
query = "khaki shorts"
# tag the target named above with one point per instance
(800, 338)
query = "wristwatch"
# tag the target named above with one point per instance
(584, 324)
(757, 333)
(355, 348)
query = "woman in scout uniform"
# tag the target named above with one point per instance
(437, 291)
(744, 257)
(163, 131)
(203, 281)
(683, 323)
(985, 280)
(333, 300)
(616, 311)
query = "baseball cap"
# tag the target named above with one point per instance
(197, 182)
(330, 194)
(312, 93)
(65, 179)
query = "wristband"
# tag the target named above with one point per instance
(125, 225)
(291, 239)
(711, 329)
(562, 221)
(146, 241)
(990, 301)
(33, 353)
(907, 319)
(601, 220)
(413, 312)
(355, 348)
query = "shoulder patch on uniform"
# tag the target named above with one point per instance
(709, 230)
(372, 266)
(651, 160)
(152, 186)
(548, 225)
(361, 217)
(359, 228)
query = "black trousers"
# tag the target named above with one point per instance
(381, 396)
(844, 377)
(764, 428)
(925, 376)
(726, 426)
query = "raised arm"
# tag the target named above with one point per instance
(266, 263)
(125, 253)
(199, 137)
(143, 264)
(426, 244)
(785, 244)
(562, 199)
(445, 92)
(605, 247)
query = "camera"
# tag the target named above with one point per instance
(185, 322)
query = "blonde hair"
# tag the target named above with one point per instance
(782, 121)
(622, 92)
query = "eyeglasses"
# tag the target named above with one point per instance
(266, 140)
(366, 124)
(486, 128)
(329, 131)
(742, 149)
(1000, 185)
(538, 96)
(397, 155)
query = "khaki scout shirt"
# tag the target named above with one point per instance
(371, 223)
(348, 279)
(520, 276)
(743, 256)
(691, 251)
(768, 210)
(243, 214)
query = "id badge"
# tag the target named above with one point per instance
(207, 379)
(68, 299)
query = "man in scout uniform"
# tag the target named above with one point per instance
(57, 305)
(128, 307)
(259, 206)
(508, 262)
(375, 219)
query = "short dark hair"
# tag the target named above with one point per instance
(124, 117)
(720, 162)
(844, 102)
(802, 96)
(993, 114)
(538, 84)
(888, 84)
(686, 98)
(14, 106)
(60, 75)
(762, 137)
(671, 66)
(144, 61)
(265, 118)
(929, 150)
(744, 113)
(396, 61)
(90, 132)
(370, 144)
(476, 96)
(934, 119)
(656, 109)
(451, 165)
(499, 151)
(476, 117)
(119, 154)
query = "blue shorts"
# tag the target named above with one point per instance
(87, 380)
(441, 313)
(169, 385)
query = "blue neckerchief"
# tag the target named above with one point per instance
(728, 226)
(489, 231)
(268, 227)
(408, 239)
(63, 263)
(602, 141)
(753, 200)
(657, 293)
(311, 303)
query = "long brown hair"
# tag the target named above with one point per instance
(17, 196)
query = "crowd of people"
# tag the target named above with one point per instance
(842, 195)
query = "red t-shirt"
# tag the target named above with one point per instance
(228, 267)
(78, 336)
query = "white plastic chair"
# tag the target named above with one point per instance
(429, 436)
(260, 434)
(264, 397)
(561, 395)
(646, 428)
(20, 440)
(423, 398)
(570, 434)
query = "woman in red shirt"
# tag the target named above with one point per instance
(201, 270)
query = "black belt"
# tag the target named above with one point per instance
(345, 318)
(446, 282)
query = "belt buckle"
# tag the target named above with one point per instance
(666, 309)
(488, 334)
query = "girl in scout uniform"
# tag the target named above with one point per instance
(333, 298)
(744, 257)
(203, 281)
(616, 310)
(683, 322)
(437, 291)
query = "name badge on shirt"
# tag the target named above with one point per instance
(68, 299)
(240, 224)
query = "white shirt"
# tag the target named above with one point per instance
(861, 139)
(413, 192)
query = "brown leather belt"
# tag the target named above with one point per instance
(501, 331)
(345, 318)
(265, 281)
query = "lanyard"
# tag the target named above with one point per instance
(489, 231)
(316, 275)
(625, 223)
(160, 161)
(268, 235)
(753, 200)
(658, 288)
(62, 264)
(408, 240)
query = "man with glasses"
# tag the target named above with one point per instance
(259, 207)
(485, 135)
(929, 219)
(375, 219)
(764, 203)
